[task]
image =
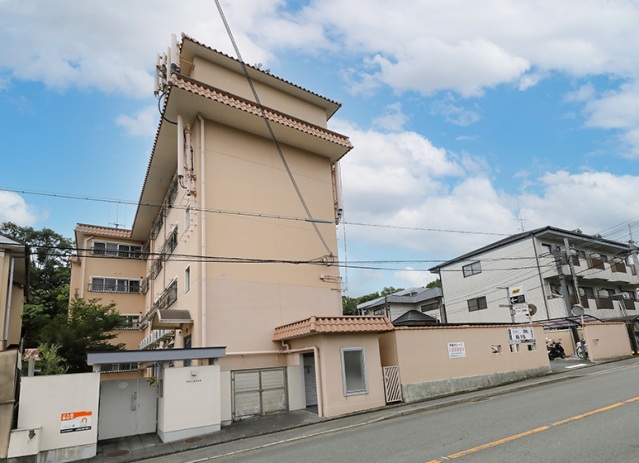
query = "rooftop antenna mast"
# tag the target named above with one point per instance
(519, 218)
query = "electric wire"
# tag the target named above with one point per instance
(270, 128)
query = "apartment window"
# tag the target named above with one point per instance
(106, 249)
(354, 371)
(170, 244)
(130, 322)
(187, 279)
(472, 269)
(187, 217)
(587, 292)
(114, 285)
(546, 248)
(477, 304)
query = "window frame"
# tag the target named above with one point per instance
(115, 285)
(474, 268)
(476, 301)
(187, 279)
(364, 376)
(113, 249)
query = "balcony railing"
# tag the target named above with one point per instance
(131, 287)
(167, 298)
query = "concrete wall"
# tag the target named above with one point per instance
(429, 369)
(189, 403)
(51, 406)
(607, 341)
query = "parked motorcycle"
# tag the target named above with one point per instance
(555, 350)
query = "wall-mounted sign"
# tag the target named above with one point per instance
(521, 335)
(456, 350)
(75, 421)
(517, 294)
(520, 309)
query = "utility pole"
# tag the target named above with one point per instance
(633, 252)
(562, 279)
(572, 270)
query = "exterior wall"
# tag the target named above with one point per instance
(189, 403)
(437, 374)
(8, 364)
(331, 387)
(17, 297)
(607, 341)
(87, 265)
(227, 80)
(496, 275)
(44, 399)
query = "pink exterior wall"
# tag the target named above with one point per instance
(427, 370)
(566, 339)
(335, 402)
(607, 341)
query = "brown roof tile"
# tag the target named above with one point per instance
(326, 325)
(103, 231)
(220, 96)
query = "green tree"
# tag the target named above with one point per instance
(88, 326)
(50, 361)
(434, 284)
(49, 277)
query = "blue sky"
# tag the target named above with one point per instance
(484, 117)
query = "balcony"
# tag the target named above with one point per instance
(155, 338)
(111, 285)
(167, 298)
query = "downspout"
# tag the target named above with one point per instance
(9, 296)
(203, 234)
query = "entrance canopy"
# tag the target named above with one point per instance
(157, 355)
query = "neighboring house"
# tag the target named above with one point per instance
(553, 269)
(14, 285)
(425, 300)
(234, 235)
(14, 277)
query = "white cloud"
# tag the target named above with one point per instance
(393, 120)
(453, 113)
(142, 124)
(13, 208)
(584, 93)
(411, 278)
(111, 46)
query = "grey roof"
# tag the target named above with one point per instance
(6, 240)
(154, 355)
(414, 318)
(405, 296)
(593, 241)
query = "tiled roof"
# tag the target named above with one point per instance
(327, 325)
(103, 231)
(220, 96)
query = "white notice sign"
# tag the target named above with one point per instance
(456, 350)
(521, 334)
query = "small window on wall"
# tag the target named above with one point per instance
(477, 304)
(471, 269)
(354, 371)
(187, 279)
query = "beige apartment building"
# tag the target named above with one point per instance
(235, 232)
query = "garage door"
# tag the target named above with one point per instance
(258, 392)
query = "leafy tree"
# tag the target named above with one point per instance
(434, 284)
(50, 362)
(88, 326)
(49, 277)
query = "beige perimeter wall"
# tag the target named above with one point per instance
(607, 341)
(427, 368)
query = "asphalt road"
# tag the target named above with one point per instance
(590, 416)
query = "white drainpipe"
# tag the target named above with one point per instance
(203, 231)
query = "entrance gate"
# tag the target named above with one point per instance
(127, 408)
(258, 392)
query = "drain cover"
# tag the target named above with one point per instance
(116, 453)
(193, 440)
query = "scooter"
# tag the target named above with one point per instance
(555, 350)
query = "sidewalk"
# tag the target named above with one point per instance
(134, 448)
